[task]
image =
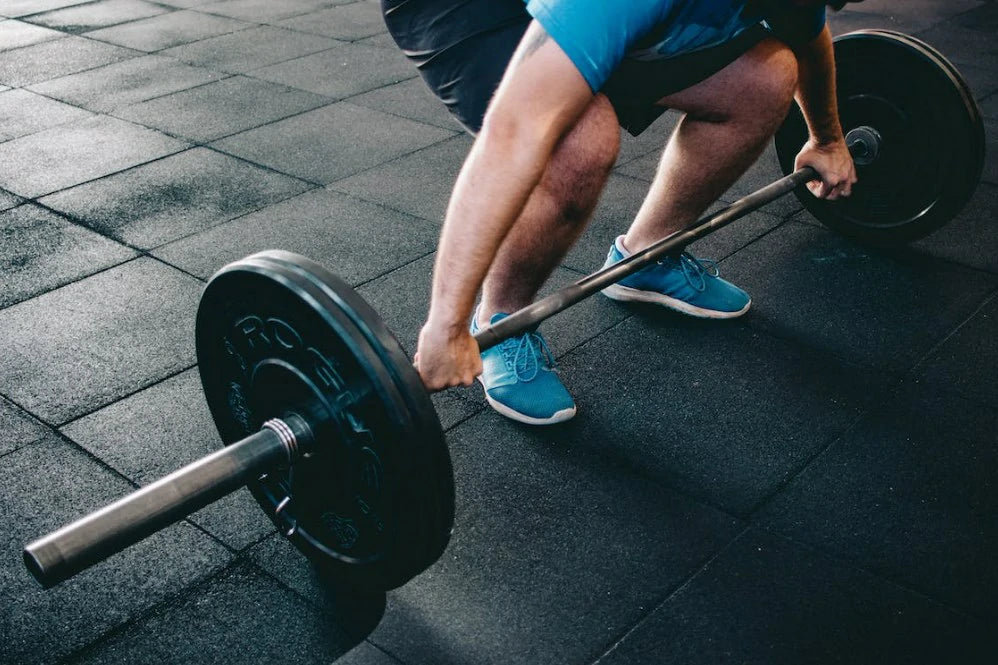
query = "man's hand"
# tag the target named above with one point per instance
(447, 358)
(833, 163)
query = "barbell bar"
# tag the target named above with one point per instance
(862, 142)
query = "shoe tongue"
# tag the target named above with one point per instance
(498, 316)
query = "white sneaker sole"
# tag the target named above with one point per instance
(558, 417)
(626, 294)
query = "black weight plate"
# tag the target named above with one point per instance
(373, 503)
(439, 512)
(932, 152)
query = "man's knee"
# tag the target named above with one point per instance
(584, 157)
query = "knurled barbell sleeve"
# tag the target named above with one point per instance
(77, 546)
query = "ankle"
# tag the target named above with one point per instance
(633, 246)
(623, 246)
(483, 315)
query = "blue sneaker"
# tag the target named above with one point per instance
(686, 284)
(520, 380)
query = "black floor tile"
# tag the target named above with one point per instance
(849, 20)
(365, 654)
(650, 141)
(912, 13)
(981, 80)
(8, 200)
(908, 495)
(185, 4)
(967, 38)
(29, 7)
(19, 429)
(94, 15)
(409, 99)
(356, 240)
(348, 22)
(23, 113)
(877, 309)
(15, 34)
(173, 197)
(766, 600)
(40, 250)
(218, 109)
(159, 430)
(151, 433)
(264, 11)
(123, 83)
(642, 168)
(342, 71)
(714, 409)
(354, 612)
(419, 183)
(240, 52)
(166, 30)
(970, 238)
(990, 174)
(384, 40)
(989, 107)
(59, 57)
(45, 486)
(554, 554)
(966, 362)
(70, 154)
(83, 346)
(332, 142)
(724, 242)
(242, 617)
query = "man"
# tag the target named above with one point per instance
(564, 74)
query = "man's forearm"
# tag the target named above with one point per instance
(816, 88)
(492, 189)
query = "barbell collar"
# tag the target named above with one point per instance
(77, 546)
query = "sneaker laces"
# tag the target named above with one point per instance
(523, 355)
(694, 269)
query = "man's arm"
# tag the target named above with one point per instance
(540, 97)
(826, 150)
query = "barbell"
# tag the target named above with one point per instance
(326, 421)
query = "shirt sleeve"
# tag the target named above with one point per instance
(595, 34)
(797, 26)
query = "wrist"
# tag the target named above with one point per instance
(824, 139)
(445, 325)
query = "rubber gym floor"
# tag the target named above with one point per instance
(813, 483)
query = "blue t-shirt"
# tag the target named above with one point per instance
(597, 34)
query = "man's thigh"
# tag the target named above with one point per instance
(460, 48)
(642, 90)
(761, 81)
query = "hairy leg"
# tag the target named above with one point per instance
(729, 118)
(555, 214)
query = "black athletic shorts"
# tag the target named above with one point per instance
(462, 47)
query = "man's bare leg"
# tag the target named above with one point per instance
(729, 119)
(555, 214)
